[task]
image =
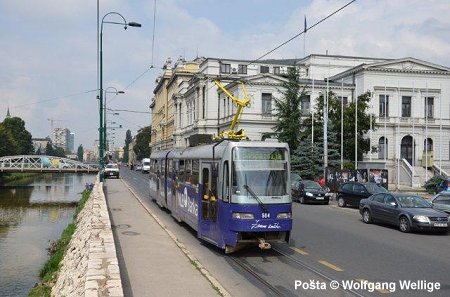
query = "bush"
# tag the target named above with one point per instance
(431, 184)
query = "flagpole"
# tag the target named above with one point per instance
(413, 130)
(356, 124)
(370, 130)
(304, 40)
(385, 120)
(342, 124)
(312, 118)
(440, 128)
(426, 132)
(397, 150)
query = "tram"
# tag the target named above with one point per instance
(232, 193)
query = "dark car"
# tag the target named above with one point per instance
(443, 186)
(305, 191)
(441, 201)
(407, 211)
(350, 193)
(294, 178)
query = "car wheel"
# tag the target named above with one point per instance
(404, 224)
(341, 201)
(302, 200)
(367, 217)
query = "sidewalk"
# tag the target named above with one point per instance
(151, 263)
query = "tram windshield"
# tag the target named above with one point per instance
(261, 172)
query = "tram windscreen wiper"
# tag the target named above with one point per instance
(263, 206)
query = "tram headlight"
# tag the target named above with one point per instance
(284, 215)
(243, 216)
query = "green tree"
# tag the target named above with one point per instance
(128, 140)
(49, 151)
(8, 145)
(306, 160)
(288, 110)
(16, 127)
(334, 128)
(59, 152)
(143, 138)
(80, 153)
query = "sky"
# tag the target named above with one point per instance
(48, 53)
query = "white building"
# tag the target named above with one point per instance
(401, 89)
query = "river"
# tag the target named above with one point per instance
(32, 214)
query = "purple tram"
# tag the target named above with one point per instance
(233, 193)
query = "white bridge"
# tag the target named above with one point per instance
(45, 164)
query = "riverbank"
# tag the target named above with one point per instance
(89, 266)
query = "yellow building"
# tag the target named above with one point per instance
(169, 90)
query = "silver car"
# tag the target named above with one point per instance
(441, 201)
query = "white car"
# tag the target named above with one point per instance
(111, 170)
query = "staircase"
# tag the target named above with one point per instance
(420, 176)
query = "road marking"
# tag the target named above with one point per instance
(331, 266)
(300, 251)
(382, 291)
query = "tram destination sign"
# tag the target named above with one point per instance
(259, 154)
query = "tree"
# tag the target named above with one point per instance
(80, 153)
(128, 140)
(334, 128)
(143, 138)
(306, 160)
(16, 127)
(8, 145)
(288, 110)
(49, 151)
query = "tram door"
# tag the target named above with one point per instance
(208, 220)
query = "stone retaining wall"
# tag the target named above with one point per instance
(90, 266)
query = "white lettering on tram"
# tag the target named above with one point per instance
(187, 202)
(257, 225)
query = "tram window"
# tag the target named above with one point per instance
(181, 176)
(163, 166)
(226, 183)
(169, 167)
(188, 170)
(195, 171)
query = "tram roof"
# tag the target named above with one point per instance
(206, 151)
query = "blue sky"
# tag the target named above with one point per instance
(49, 49)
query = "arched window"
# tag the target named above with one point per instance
(382, 147)
(428, 144)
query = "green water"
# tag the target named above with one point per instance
(31, 215)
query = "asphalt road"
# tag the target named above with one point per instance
(328, 243)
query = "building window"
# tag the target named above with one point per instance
(382, 148)
(242, 69)
(428, 144)
(384, 105)
(406, 106)
(344, 101)
(305, 105)
(276, 70)
(429, 107)
(264, 69)
(225, 68)
(266, 99)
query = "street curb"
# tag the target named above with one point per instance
(214, 282)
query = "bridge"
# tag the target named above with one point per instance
(44, 164)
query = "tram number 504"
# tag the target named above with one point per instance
(265, 215)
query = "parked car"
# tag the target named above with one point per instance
(146, 165)
(443, 186)
(351, 193)
(294, 178)
(441, 201)
(138, 167)
(407, 211)
(111, 170)
(305, 191)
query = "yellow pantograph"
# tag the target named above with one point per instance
(240, 103)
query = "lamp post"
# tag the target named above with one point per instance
(104, 110)
(101, 124)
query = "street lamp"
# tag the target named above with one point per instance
(117, 92)
(101, 134)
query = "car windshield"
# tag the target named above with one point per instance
(312, 185)
(295, 177)
(374, 188)
(413, 202)
(113, 166)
